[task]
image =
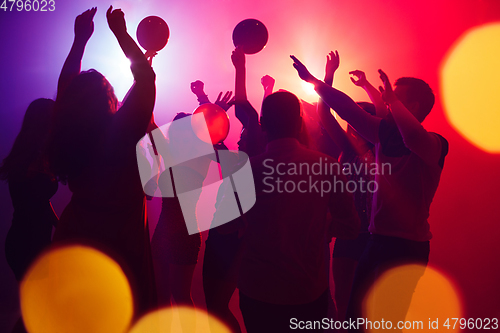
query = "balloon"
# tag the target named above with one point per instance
(216, 121)
(153, 33)
(76, 289)
(251, 35)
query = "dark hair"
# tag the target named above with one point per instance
(418, 91)
(27, 153)
(180, 115)
(281, 115)
(176, 128)
(81, 117)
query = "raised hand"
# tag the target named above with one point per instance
(84, 25)
(302, 70)
(388, 94)
(197, 87)
(238, 57)
(332, 64)
(267, 82)
(359, 79)
(224, 102)
(116, 20)
(84, 28)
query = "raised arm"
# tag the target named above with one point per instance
(362, 122)
(116, 22)
(197, 87)
(374, 94)
(243, 110)
(328, 121)
(135, 113)
(225, 101)
(267, 82)
(240, 91)
(84, 28)
(238, 59)
(426, 145)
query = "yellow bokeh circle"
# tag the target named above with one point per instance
(76, 289)
(179, 319)
(434, 300)
(470, 86)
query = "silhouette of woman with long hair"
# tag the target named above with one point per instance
(31, 185)
(93, 147)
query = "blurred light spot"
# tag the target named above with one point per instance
(113, 64)
(169, 320)
(117, 71)
(76, 289)
(471, 93)
(308, 88)
(435, 298)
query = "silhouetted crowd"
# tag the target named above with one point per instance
(272, 246)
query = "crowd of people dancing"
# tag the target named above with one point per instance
(276, 254)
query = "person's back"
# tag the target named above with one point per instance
(407, 185)
(287, 229)
(283, 273)
(416, 159)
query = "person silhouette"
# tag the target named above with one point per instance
(357, 153)
(284, 271)
(93, 148)
(31, 185)
(220, 257)
(400, 232)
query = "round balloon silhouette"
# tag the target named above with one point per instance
(153, 33)
(216, 122)
(251, 35)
